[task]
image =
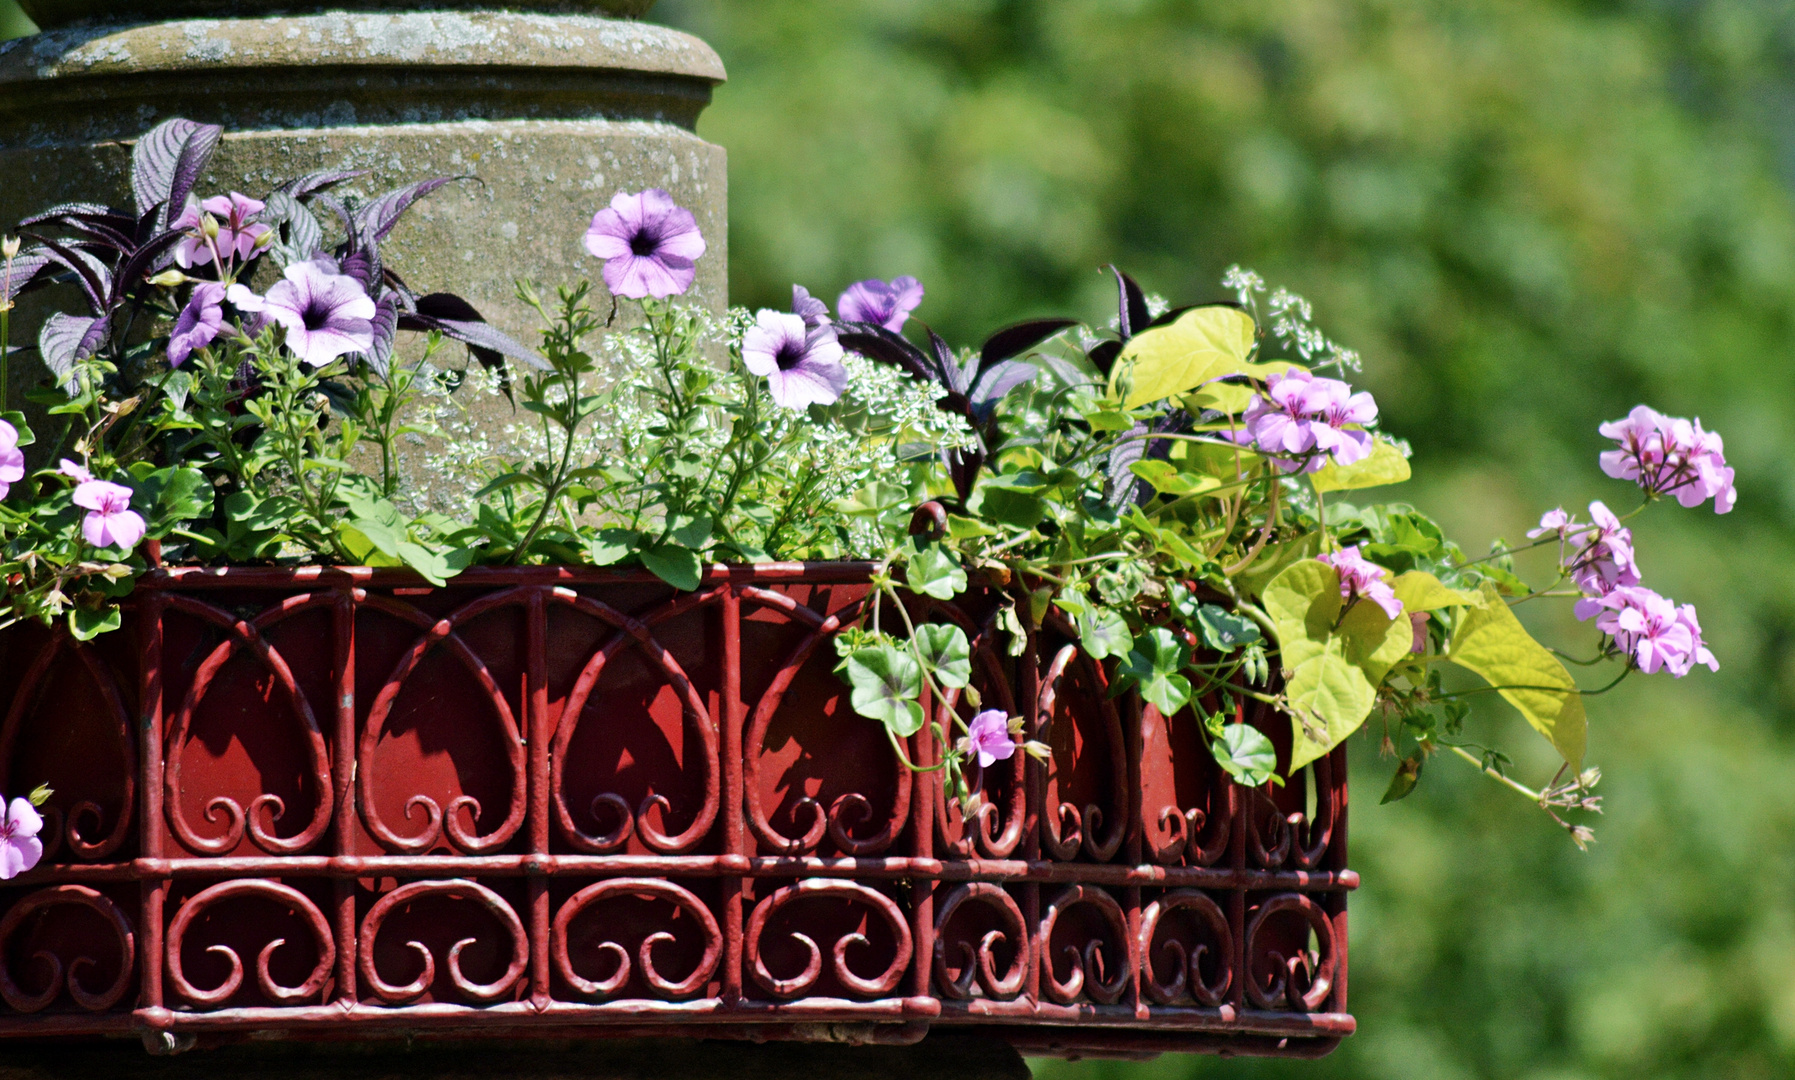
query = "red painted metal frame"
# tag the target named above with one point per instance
(322, 802)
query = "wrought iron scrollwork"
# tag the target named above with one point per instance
(57, 896)
(285, 895)
(1187, 974)
(1088, 964)
(418, 987)
(980, 964)
(1283, 988)
(651, 888)
(883, 983)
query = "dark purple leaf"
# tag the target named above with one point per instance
(66, 340)
(301, 237)
(335, 206)
(995, 382)
(948, 371)
(1103, 356)
(877, 343)
(142, 264)
(312, 183)
(362, 264)
(386, 326)
(94, 277)
(1131, 303)
(30, 269)
(1124, 487)
(457, 319)
(1018, 339)
(380, 216)
(167, 161)
(963, 467)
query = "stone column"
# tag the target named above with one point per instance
(551, 107)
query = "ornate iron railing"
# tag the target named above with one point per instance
(323, 801)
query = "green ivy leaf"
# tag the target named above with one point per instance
(1491, 642)
(1168, 479)
(934, 571)
(677, 566)
(946, 651)
(1224, 631)
(174, 496)
(85, 624)
(1245, 754)
(1155, 664)
(885, 682)
(1202, 344)
(611, 546)
(1104, 634)
(1007, 506)
(691, 532)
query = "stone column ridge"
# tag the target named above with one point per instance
(51, 13)
(98, 82)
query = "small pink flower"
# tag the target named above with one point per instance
(988, 736)
(1667, 455)
(12, 459)
(75, 471)
(238, 233)
(110, 521)
(1552, 521)
(1418, 620)
(1362, 580)
(20, 849)
(1653, 632)
(1301, 422)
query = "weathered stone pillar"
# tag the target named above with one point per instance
(552, 106)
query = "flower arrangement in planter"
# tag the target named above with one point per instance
(1023, 670)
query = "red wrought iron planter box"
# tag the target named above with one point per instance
(542, 801)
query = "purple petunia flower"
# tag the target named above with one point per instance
(988, 736)
(1653, 632)
(326, 314)
(649, 245)
(1667, 455)
(199, 323)
(1361, 580)
(110, 521)
(887, 304)
(814, 312)
(1301, 421)
(20, 849)
(12, 459)
(238, 233)
(802, 365)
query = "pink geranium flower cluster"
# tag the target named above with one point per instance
(1597, 555)
(1363, 580)
(1667, 455)
(1301, 422)
(1654, 632)
(12, 459)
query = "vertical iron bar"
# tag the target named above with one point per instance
(537, 718)
(153, 890)
(736, 842)
(1336, 861)
(343, 620)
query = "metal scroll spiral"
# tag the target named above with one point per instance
(59, 896)
(437, 820)
(847, 810)
(638, 633)
(240, 634)
(57, 829)
(883, 983)
(980, 964)
(1294, 838)
(993, 840)
(286, 896)
(1282, 989)
(1066, 828)
(1184, 828)
(1088, 966)
(457, 889)
(648, 888)
(1187, 974)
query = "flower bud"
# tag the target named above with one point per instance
(10, 247)
(265, 239)
(168, 279)
(209, 226)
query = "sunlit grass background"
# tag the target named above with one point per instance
(1529, 217)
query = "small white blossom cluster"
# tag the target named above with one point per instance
(1291, 320)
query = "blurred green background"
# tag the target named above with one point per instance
(1529, 217)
